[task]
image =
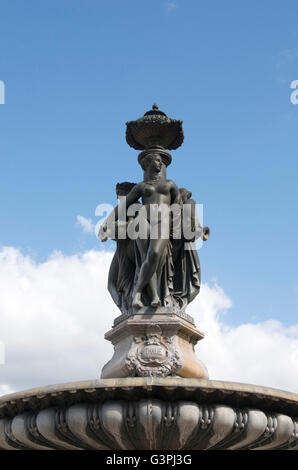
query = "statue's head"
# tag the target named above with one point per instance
(154, 157)
(152, 161)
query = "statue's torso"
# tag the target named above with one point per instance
(156, 192)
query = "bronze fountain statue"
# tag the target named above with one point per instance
(159, 271)
(155, 270)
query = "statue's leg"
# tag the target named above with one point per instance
(155, 300)
(149, 267)
(163, 233)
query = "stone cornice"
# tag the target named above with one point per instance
(169, 388)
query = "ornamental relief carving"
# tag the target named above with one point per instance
(153, 354)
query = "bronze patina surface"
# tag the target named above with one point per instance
(156, 272)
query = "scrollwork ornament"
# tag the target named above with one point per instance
(153, 355)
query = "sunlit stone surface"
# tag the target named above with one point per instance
(149, 413)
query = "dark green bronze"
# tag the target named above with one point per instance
(154, 128)
(154, 273)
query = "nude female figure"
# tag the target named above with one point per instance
(156, 192)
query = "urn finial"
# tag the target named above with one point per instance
(155, 128)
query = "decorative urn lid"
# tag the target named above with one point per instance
(154, 128)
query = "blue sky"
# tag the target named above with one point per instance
(76, 71)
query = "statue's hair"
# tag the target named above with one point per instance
(165, 156)
(122, 189)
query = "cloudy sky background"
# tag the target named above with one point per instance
(54, 315)
(74, 73)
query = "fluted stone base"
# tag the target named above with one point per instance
(149, 414)
(156, 345)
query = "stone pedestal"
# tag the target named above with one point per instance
(156, 345)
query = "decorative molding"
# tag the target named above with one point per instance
(149, 413)
(148, 424)
(150, 311)
(203, 391)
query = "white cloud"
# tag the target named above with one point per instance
(53, 316)
(5, 389)
(86, 224)
(258, 353)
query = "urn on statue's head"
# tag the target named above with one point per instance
(155, 128)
